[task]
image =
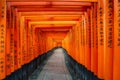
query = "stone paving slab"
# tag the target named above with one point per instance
(55, 68)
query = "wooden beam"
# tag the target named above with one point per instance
(52, 26)
(61, 30)
(42, 3)
(51, 13)
(53, 18)
(32, 9)
(54, 22)
(53, 0)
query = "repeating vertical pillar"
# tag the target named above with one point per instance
(23, 41)
(35, 42)
(12, 39)
(109, 40)
(7, 44)
(94, 53)
(95, 40)
(85, 32)
(71, 46)
(30, 43)
(77, 41)
(79, 38)
(116, 65)
(101, 39)
(16, 30)
(88, 41)
(18, 43)
(82, 43)
(84, 39)
(72, 40)
(92, 40)
(2, 38)
(27, 40)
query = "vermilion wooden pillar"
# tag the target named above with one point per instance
(30, 42)
(88, 41)
(23, 41)
(85, 34)
(80, 40)
(94, 53)
(109, 40)
(36, 42)
(2, 38)
(92, 38)
(95, 40)
(77, 42)
(27, 40)
(116, 55)
(15, 41)
(40, 38)
(17, 33)
(73, 51)
(12, 39)
(101, 39)
(70, 39)
(68, 42)
(82, 54)
(84, 38)
(8, 55)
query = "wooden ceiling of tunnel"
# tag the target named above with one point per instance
(50, 15)
(57, 36)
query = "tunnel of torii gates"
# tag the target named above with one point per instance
(88, 29)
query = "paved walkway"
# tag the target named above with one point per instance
(55, 69)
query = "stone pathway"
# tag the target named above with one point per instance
(55, 68)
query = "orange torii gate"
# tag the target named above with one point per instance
(88, 29)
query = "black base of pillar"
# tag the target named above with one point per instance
(26, 70)
(78, 71)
